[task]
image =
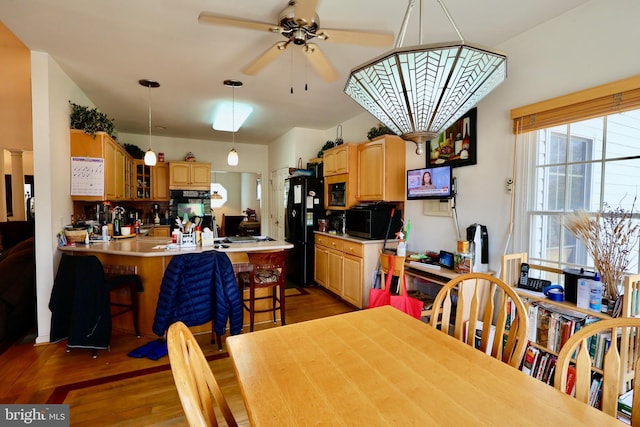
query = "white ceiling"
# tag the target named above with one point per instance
(106, 46)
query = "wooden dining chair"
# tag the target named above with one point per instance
(485, 304)
(576, 353)
(393, 265)
(194, 380)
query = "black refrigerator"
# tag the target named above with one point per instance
(304, 206)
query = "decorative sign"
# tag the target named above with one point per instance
(87, 176)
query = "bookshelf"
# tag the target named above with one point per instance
(538, 305)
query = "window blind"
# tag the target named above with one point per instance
(610, 98)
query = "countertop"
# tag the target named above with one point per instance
(354, 238)
(142, 246)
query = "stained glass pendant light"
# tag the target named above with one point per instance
(419, 91)
(150, 158)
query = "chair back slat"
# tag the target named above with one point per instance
(482, 298)
(611, 380)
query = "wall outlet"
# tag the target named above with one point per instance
(509, 187)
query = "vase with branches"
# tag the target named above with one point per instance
(610, 236)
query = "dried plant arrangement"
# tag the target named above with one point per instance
(609, 236)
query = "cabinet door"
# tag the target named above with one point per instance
(179, 175)
(342, 160)
(371, 171)
(321, 262)
(143, 180)
(109, 170)
(352, 282)
(334, 265)
(120, 174)
(160, 181)
(200, 175)
(329, 163)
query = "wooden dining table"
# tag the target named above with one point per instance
(382, 367)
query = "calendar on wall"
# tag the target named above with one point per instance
(87, 176)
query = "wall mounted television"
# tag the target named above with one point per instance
(430, 183)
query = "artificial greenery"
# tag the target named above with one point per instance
(90, 120)
(326, 146)
(134, 150)
(378, 131)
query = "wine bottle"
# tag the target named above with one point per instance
(466, 142)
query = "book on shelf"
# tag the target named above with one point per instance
(549, 370)
(542, 334)
(529, 360)
(532, 312)
(595, 390)
(571, 380)
(625, 402)
(542, 365)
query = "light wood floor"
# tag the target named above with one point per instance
(115, 389)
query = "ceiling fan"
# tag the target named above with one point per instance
(298, 23)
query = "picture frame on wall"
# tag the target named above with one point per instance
(457, 145)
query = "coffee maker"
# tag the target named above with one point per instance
(479, 246)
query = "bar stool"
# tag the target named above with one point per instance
(124, 278)
(268, 271)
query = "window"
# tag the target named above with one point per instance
(577, 165)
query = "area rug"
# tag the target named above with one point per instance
(60, 393)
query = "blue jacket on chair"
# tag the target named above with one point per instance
(197, 288)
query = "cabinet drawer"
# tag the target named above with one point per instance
(330, 242)
(354, 249)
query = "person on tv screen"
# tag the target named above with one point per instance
(426, 182)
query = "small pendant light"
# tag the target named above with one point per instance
(150, 158)
(232, 158)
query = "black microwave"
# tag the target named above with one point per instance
(370, 221)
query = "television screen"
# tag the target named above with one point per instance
(429, 183)
(191, 209)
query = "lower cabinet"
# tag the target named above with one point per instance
(346, 266)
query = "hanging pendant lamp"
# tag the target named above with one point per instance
(150, 158)
(232, 157)
(419, 91)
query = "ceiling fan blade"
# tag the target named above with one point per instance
(263, 60)
(305, 11)
(366, 38)
(320, 63)
(211, 18)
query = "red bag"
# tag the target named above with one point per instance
(403, 302)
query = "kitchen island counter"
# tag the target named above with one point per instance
(150, 257)
(162, 247)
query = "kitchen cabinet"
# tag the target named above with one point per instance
(160, 181)
(381, 169)
(114, 157)
(340, 159)
(151, 182)
(345, 266)
(189, 176)
(340, 166)
(142, 180)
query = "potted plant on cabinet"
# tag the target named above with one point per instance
(90, 120)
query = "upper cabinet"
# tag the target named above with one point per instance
(160, 181)
(86, 170)
(150, 182)
(189, 176)
(381, 169)
(340, 159)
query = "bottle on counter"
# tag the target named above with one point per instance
(402, 248)
(105, 232)
(116, 226)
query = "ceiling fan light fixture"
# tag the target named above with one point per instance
(419, 91)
